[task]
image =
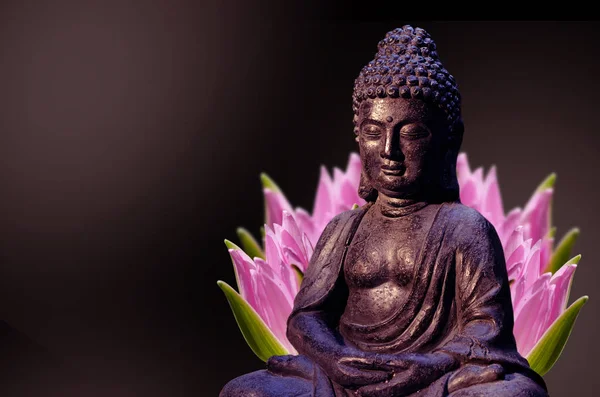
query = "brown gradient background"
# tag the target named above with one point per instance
(132, 136)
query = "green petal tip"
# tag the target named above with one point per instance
(562, 253)
(231, 245)
(574, 260)
(269, 183)
(249, 244)
(546, 352)
(547, 183)
(258, 336)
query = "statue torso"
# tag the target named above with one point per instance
(380, 263)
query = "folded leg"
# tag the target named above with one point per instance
(286, 376)
(513, 385)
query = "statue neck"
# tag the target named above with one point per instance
(396, 207)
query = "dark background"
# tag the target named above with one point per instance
(132, 136)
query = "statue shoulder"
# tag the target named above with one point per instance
(468, 224)
(461, 214)
(326, 261)
(337, 223)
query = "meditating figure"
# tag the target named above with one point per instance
(407, 295)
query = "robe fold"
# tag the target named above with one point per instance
(459, 303)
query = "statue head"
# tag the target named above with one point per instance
(407, 120)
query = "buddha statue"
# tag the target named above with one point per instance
(407, 295)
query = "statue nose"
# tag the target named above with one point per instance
(391, 146)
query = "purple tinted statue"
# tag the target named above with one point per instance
(408, 295)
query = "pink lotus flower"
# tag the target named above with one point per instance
(334, 195)
(286, 243)
(539, 297)
(483, 194)
(269, 282)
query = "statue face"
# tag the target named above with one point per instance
(400, 145)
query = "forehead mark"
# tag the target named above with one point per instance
(389, 119)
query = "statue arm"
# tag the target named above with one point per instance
(485, 327)
(484, 344)
(313, 333)
(312, 326)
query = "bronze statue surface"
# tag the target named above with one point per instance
(407, 295)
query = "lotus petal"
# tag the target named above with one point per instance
(563, 251)
(547, 350)
(256, 333)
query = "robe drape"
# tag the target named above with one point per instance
(459, 304)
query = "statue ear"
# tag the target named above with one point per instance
(365, 190)
(449, 178)
(457, 135)
(450, 148)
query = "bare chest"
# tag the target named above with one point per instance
(385, 251)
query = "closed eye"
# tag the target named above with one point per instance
(371, 131)
(414, 131)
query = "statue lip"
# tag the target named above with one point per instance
(393, 169)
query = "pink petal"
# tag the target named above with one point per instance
(546, 253)
(515, 272)
(532, 265)
(537, 214)
(291, 257)
(542, 282)
(290, 226)
(292, 251)
(469, 195)
(477, 177)
(275, 204)
(243, 268)
(509, 225)
(517, 288)
(514, 241)
(289, 244)
(519, 285)
(274, 306)
(518, 256)
(527, 244)
(492, 207)
(323, 199)
(273, 253)
(529, 319)
(353, 170)
(309, 247)
(307, 225)
(338, 179)
(537, 320)
(276, 230)
(338, 176)
(291, 241)
(544, 315)
(562, 279)
(283, 278)
(349, 196)
(463, 171)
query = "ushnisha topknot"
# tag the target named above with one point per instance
(407, 65)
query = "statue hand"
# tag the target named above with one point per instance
(473, 374)
(352, 368)
(292, 365)
(411, 372)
